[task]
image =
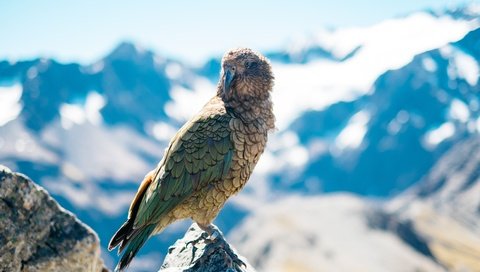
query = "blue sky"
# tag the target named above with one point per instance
(190, 30)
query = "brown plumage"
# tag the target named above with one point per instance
(210, 158)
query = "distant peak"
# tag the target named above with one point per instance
(127, 50)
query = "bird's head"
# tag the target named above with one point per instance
(245, 74)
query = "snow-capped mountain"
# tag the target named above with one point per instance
(367, 110)
(383, 142)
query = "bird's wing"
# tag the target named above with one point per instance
(199, 154)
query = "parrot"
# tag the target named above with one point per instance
(209, 159)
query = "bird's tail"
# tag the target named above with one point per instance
(132, 241)
(121, 235)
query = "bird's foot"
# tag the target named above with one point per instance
(209, 235)
(211, 232)
(203, 236)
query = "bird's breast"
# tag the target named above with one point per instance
(249, 140)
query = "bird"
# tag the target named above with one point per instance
(209, 159)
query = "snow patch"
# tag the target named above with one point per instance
(459, 111)
(162, 131)
(429, 64)
(317, 147)
(109, 153)
(466, 67)
(396, 124)
(32, 73)
(388, 45)
(352, 135)
(284, 150)
(71, 114)
(297, 156)
(89, 196)
(16, 141)
(478, 124)
(94, 103)
(186, 102)
(97, 67)
(438, 135)
(173, 70)
(10, 104)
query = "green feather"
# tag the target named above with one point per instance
(199, 155)
(226, 162)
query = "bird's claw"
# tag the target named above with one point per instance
(207, 238)
(212, 232)
(194, 242)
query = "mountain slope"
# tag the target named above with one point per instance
(382, 143)
(330, 233)
(445, 206)
(433, 226)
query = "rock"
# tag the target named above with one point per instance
(36, 234)
(193, 253)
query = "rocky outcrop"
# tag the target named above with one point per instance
(195, 252)
(36, 234)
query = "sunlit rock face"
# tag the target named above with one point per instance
(36, 234)
(192, 253)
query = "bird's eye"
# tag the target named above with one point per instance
(250, 64)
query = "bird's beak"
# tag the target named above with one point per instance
(227, 79)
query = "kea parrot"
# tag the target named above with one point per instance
(209, 159)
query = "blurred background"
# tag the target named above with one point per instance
(375, 165)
